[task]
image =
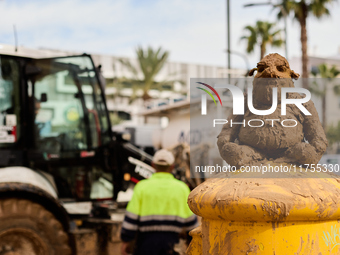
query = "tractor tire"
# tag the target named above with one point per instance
(27, 228)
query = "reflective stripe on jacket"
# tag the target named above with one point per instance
(158, 204)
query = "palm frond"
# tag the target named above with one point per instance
(262, 33)
(129, 66)
(150, 62)
(277, 32)
(334, 71)
(277, 43)
(328, 73)
(316, 90)
(252, 38)
(284, 9)
(319, 8)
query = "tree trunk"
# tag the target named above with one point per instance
(263, 50)
(303, 24)
(146, 89)
(146, 96)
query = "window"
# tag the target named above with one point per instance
(59, 120)
(9, 102)
(70, 112)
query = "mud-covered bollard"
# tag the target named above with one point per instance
(283, 215)
(195, 246)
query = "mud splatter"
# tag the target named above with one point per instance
(300, 247)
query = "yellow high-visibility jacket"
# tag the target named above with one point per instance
(158, 204)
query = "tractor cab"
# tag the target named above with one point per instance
(53, 119)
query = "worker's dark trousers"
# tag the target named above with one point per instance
(156, 243)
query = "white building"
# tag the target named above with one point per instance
(180, 72)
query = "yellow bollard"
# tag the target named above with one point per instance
(195, 246)
(298, 213)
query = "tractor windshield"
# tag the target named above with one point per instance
(53, 117)
(70, 112)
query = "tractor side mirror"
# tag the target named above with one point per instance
(101, 77)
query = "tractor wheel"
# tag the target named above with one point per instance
(27, 228)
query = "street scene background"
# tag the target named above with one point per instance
(147, 59)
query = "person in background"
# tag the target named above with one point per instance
(158, 211)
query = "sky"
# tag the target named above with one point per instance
(193, 31)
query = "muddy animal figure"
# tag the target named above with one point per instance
(304, 143)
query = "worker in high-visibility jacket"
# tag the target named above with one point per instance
(157, 212)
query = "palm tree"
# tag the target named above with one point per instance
(301, 10)
(150, 62)
(262, 33)
(328, 74)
